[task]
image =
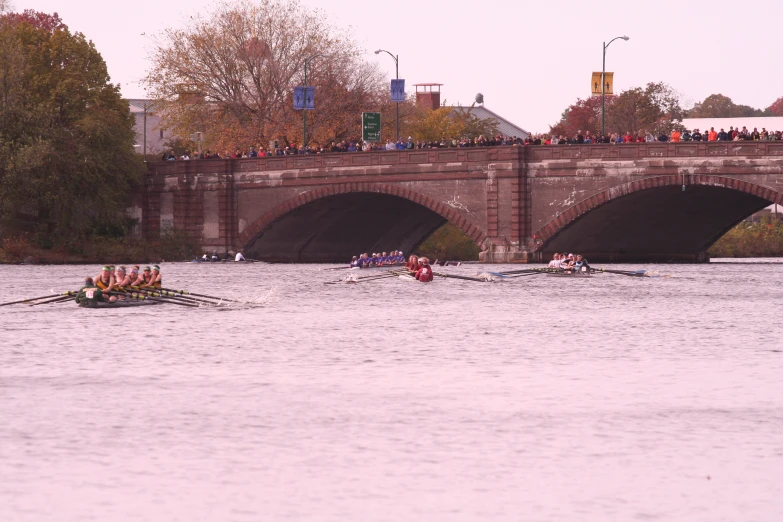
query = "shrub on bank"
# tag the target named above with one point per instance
(763, 239)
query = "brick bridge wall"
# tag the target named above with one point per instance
(509, 200)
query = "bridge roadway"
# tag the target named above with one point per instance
(634, 202)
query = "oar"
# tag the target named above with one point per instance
(338, 268)
(185, 292)
(171, 295)
(32, 299)
(140, 297)
(509, 272)
(525, 275)
(466, 278)
(638, 273)
(57, 299)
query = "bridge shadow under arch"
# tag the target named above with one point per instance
(331, 224)
(654, 219)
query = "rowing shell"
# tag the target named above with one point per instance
(407, 277)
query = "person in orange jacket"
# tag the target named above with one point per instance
(675, 136)
(712, 135)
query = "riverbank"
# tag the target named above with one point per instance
(762, 239)
(17, 249)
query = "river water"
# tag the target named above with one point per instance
(542, 398)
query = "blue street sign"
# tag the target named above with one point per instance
(299, 98)
(309, 98)
(398, 90)
(304, 98)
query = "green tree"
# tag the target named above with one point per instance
(67, 161)
(720, 106)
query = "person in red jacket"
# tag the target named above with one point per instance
(424, 273)
(413, 264)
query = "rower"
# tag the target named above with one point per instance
(146, 276)
(122, 280)
(240, 257)
(205, 257)
(424, 273)
(136, 278)
(156, 280)
(555, 263)
(105, 280)
(354, 262)
(215, 256)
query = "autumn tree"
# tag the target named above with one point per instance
(776, 109)
(67, 160)
(231, 73)
(584, 116)
(655, 108)
(720, 106)
(450, 122)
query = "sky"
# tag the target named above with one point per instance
(530, 59)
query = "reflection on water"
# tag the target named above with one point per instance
(545, 398)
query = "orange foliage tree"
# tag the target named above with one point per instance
(231, 73)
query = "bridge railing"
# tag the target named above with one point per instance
(631, 151)
(338, 160)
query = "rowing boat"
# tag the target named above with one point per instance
(570, 274)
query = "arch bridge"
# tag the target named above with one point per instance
(631, 202)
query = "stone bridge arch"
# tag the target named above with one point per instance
(435, 214)
(661, 218)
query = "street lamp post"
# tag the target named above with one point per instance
(304, 110)
(396, 59)
(603, 83)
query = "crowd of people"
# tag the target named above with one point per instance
(119, 279)
(349, 146)
(675, 136)
(733, 134)
(569, 263)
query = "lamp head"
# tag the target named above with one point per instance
(626, 38)
(378, 51)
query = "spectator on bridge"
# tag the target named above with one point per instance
(712, 135)
(579, 138)
(662, 137)
(696, 135)
(755, 134)
(628, 138)
(675, 136)
(686, 135)
(723, 135)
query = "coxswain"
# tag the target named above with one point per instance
(354, 262)
(90, 293)
(105, 280)
(240, 257)
(581, 264)
(424, 273)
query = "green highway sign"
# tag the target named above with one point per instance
(371, 126)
